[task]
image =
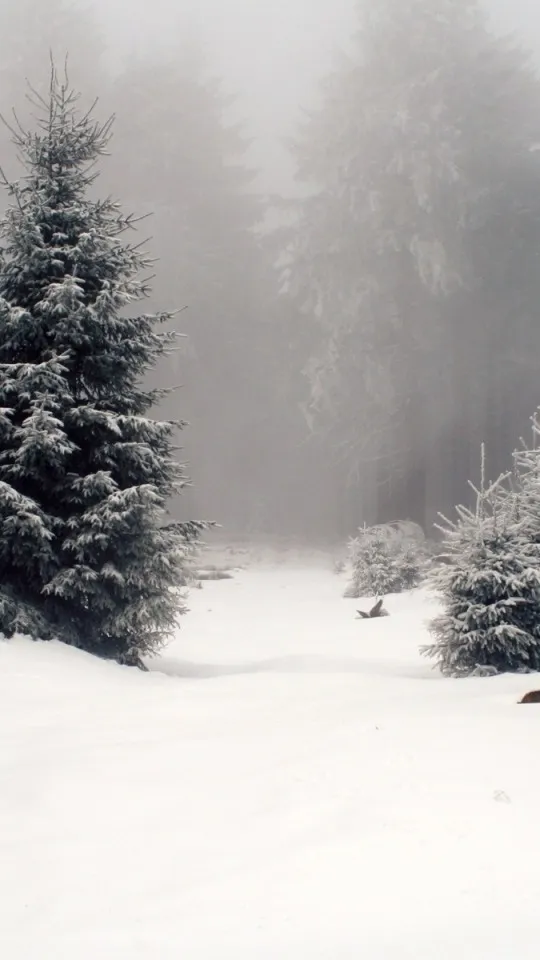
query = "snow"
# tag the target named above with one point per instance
(287, 782)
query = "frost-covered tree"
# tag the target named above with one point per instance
(382, 563)
(415, 254)
(31, 31)
(490, 588)
(87, 553)
(527, 484)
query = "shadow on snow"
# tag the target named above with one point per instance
(290, 665)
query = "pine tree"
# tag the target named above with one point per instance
(382, 564)
(527, 484)
(490, 590)
(30, 33)
(415, 253)
(87, 554)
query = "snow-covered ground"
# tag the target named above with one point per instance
(288, 783)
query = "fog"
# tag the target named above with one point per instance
(271, 56)
(298, 426)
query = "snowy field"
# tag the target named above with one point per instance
(288, 783)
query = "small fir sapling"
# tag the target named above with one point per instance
(490, 589)
(382, 564)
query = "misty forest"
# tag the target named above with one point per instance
(269, 354)
(358, 322)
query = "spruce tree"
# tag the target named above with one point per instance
(382, 563)
(527, 483)
(87, 554)
(415, 254)
(32, 31)
(490, 590)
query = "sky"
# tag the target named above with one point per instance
(269, 53)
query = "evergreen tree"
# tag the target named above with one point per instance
(86, 552)
(490, 591)
(31, 31)
(382, 564)
(527, 485)
(415, 254)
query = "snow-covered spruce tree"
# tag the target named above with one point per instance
(527, 484)
(382, 564)
(414, 256)
(87, 553)
(490, 589)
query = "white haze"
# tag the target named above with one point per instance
(271, 55)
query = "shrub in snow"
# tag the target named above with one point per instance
(490, 589)
(383, 563)
(87, 553)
